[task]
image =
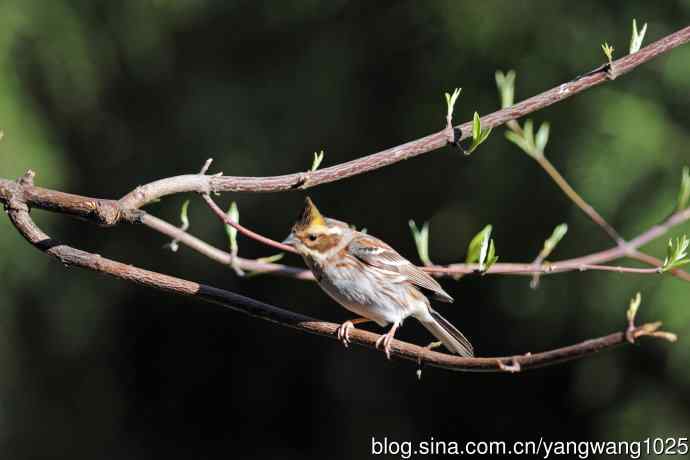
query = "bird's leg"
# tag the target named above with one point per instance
(344, 330)
(387, 338)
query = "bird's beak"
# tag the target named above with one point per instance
(290, 240)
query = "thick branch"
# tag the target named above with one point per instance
(303, 180)
(96, 210)
(19, 215)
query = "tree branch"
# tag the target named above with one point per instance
(593, 214)
(589, 262)
(304, 180)
(18, 212)
(220, 256)
(102, 211)
(110, 212)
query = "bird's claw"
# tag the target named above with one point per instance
(385, 340)
(344, 332)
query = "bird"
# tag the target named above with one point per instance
(369, 278)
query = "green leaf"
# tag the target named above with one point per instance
(183, 215)
(542, 137)
(524, 138)
(174, 245)
(234, 215)
(476, 126)
(528, 132)
(684, 193)
(484, 135)
(676, 253)
(482, 250)
(475, 247)
(555, 238)
(634, 306)
(637, 38)
(479, 135)
(266, 260)
(486, 262)
(318, 158)
(421, 240)
(506, 87)
(608, 52)
(271, 259)
(450, 102)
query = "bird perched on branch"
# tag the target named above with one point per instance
(369, 278)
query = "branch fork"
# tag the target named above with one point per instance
(632, 332)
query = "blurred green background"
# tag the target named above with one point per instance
(99, 97)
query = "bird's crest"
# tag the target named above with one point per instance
(310, 217)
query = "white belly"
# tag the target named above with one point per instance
(362, 294)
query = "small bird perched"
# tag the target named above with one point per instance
(369, 278)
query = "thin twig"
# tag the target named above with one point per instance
(100, 211)
(629, 251)
(618, 269)
(598, 219)
(578, 200)
(498, 268)
(223, 257)
(244, 230)
(651, 260)
(593, 214)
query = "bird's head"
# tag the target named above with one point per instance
(315, 235)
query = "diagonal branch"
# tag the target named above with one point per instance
(575, 197)
(220, 256)
(244, 230)
(303, 180)
(18, 212)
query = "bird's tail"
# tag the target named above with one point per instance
(451, 338)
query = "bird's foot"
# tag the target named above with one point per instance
(343, 332)
(386, 339)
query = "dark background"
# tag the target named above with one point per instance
(99, 97)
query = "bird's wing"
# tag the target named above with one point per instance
(378, 254)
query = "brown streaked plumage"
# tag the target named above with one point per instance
(368, 277)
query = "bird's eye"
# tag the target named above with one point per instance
(312, 237)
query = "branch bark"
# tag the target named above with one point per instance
(304, 180)
(18, 212)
